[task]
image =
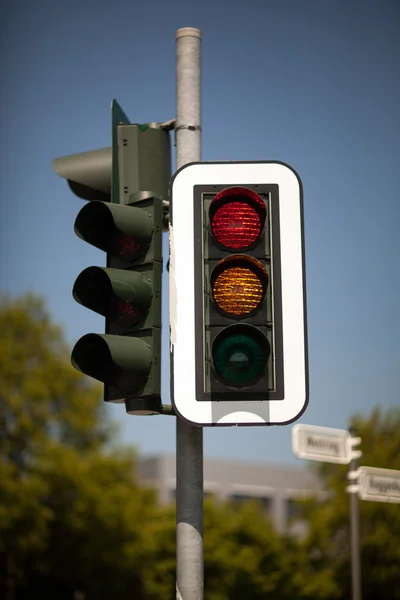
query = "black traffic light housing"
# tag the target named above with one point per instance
(239, 320)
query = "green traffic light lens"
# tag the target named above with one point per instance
(240, 354)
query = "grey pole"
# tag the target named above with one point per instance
(355, 535)
(189, 439)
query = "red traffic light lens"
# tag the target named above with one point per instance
(238, 285)
(125, 248)
(124, 313)
(237, 217)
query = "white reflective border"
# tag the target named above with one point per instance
(182, 302)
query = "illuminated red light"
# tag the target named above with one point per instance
(125, 248)
(237, 217)
(125, 313)
(236, 225)
(126, 309)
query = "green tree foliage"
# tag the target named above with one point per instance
(328, 542)
(72, 516)
(245, 557)
(70, 510)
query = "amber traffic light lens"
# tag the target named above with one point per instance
(237, 291)
(239, 285)
(237, 217)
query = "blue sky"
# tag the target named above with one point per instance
(314, 84)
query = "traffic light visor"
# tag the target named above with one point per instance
(123, 231)
(124, 362)
(124, 297)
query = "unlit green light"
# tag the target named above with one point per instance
(240, 355)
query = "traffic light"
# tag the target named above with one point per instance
(127, 185)
(238, 322)
(241, 312)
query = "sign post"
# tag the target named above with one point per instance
(354, 505)
(326, 444)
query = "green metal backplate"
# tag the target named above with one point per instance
(144, 163)
(141, 159)
(118, 117)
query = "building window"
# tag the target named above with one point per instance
(292, 509)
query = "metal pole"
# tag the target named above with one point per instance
(355, 535)
(189, 439)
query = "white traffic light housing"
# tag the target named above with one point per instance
(237, 294)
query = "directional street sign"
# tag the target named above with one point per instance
(380, 485)
(322, 443)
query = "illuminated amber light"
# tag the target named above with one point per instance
(239, 288)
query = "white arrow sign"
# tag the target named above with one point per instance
(381, 485)
(322, 443)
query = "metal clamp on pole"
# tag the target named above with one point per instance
(189, 127)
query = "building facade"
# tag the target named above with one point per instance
(275, 487)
